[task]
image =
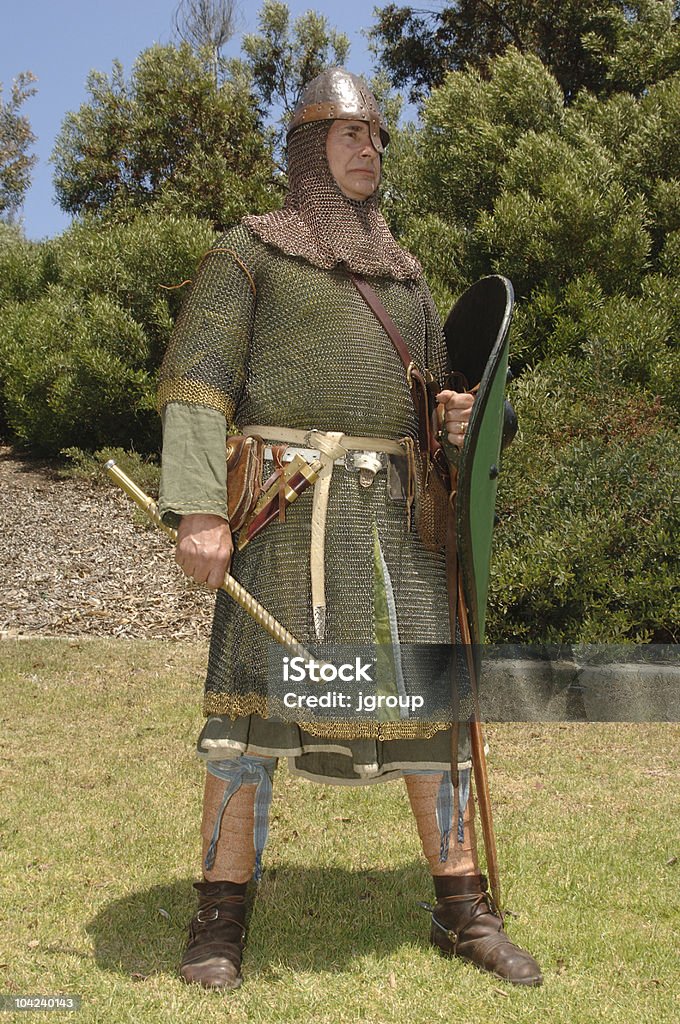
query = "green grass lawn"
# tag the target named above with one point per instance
(100, 814)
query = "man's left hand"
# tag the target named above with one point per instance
(457, 406)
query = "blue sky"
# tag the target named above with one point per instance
(60, 41)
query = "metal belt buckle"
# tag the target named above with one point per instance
(366, 464)
(292, 453)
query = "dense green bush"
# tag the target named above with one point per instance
(25, 267)
(144, 266)
(579, 205)
(74, 373)
(79, 358)
(586, 549)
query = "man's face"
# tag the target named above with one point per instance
(353, 159)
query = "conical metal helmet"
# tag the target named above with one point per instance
(338, 94)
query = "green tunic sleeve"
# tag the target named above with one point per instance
(202, 380)
(194, 474)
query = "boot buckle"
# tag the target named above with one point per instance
(207, 914)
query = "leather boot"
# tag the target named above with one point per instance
(216, 936)
(466, 923)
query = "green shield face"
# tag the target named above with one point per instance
(477, 336)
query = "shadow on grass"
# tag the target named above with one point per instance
(302, 919)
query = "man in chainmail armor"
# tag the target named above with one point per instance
(276, 340)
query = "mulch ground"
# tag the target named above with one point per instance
(76, 561)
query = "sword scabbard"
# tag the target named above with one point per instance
(296, 478)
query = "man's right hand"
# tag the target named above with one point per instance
(204, 548)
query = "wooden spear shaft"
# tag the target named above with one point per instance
(478, 755)
(230, 585)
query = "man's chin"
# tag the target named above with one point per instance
(360, 192)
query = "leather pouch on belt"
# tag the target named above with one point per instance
(398, 483)
(245, 457)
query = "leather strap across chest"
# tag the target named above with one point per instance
(418, 385)
(372, 300)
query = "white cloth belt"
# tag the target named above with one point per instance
(308, 438)
(332, 447)
(308, 454)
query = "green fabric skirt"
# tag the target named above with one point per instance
(330, 760)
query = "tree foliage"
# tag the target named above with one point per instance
(206, 25)
(16, 138)
(598, 45)
(83, 335)
(283, 57)
(170, 138)
(513, 180)
(579, 205)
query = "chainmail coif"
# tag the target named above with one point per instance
(323, 225)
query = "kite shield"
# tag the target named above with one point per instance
(477, 338)
(476, 332)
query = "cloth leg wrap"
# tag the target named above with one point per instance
(436, 805)
(241, 819)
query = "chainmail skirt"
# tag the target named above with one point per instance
(370, 545)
